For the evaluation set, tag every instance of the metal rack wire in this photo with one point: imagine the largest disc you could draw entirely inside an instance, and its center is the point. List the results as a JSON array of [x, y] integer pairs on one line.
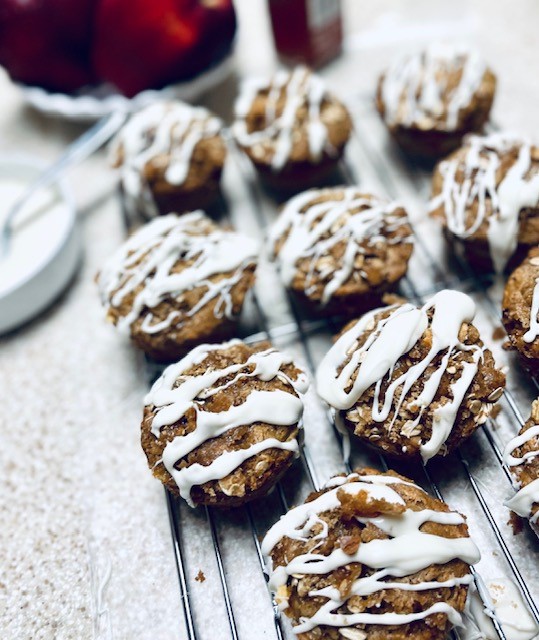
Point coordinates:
[[302, 329]]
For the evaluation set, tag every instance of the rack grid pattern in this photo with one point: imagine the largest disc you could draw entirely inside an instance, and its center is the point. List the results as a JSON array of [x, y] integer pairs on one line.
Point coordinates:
[[391, 174]]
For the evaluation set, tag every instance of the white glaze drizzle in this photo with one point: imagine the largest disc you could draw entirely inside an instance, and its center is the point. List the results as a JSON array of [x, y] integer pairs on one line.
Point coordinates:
[[171, 130], [413, 91], [301, 88], [391, 339], [533, 331], [149, 256], [499, 204], [523, 501], [516, 442], [353, 219], [407, 551], [338, 481], [172, 401]]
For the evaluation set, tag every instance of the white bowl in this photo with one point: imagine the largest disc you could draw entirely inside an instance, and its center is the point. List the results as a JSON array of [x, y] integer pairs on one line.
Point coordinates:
[[44, 252]]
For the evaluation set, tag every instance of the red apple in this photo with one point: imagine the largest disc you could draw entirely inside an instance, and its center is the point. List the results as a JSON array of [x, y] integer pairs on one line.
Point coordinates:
[[47, 42], [142, 44]]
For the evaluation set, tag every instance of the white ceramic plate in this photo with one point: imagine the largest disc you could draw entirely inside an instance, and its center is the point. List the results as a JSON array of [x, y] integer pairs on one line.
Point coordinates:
[[102, 100], [45, 247]]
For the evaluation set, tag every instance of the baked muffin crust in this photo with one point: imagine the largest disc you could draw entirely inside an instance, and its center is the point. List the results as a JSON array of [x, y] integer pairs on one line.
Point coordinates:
[[177, 281], [486, 195], [520, 309], [521, 455], [221, 426], [341, 249], [171, 156], [431, 98], [371, 557], [412, 381], [292, 129]]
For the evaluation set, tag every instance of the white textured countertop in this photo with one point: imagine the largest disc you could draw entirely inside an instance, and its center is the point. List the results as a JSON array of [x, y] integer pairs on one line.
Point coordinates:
[[78, 505]]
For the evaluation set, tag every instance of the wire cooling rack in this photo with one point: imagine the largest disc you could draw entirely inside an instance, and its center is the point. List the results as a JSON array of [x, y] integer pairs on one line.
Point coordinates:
[[217, 553]]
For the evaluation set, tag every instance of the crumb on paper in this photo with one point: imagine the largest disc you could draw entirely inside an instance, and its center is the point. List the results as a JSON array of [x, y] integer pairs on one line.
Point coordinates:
[[498, 333], [200, 577]]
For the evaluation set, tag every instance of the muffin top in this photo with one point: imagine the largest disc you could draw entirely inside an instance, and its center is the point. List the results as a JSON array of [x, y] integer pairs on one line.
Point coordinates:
[[371, 557], [480, 191], [336, 242], [290, 117], [172, 268], [434, 88], [521, 306], [171, 142], [406, 376], [222, 424], [521, 455]]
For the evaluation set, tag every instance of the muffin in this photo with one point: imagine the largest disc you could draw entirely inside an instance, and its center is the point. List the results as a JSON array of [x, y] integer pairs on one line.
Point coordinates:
[[430, 99], [340, 249], [371, 557], [177, 281], [170, 156], [486, 195], [520, 309], [222, 426], [412, 381], [293, 130], [521, 455]]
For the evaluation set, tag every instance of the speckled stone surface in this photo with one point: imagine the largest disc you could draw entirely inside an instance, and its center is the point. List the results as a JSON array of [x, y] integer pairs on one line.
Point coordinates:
[[77, 501], [85, 546]]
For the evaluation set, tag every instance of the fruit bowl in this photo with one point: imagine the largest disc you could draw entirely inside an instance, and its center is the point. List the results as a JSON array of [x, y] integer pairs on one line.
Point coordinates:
[[97, 102]]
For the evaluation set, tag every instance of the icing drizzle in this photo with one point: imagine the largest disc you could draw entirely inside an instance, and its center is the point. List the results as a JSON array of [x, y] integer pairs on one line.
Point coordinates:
[[301, 88], [172, 401], [524, 500], [148, 258], [171, 130], [392, 337], [415, 90], [533, 331], [350, 217], [499, 202], [407, 551]]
